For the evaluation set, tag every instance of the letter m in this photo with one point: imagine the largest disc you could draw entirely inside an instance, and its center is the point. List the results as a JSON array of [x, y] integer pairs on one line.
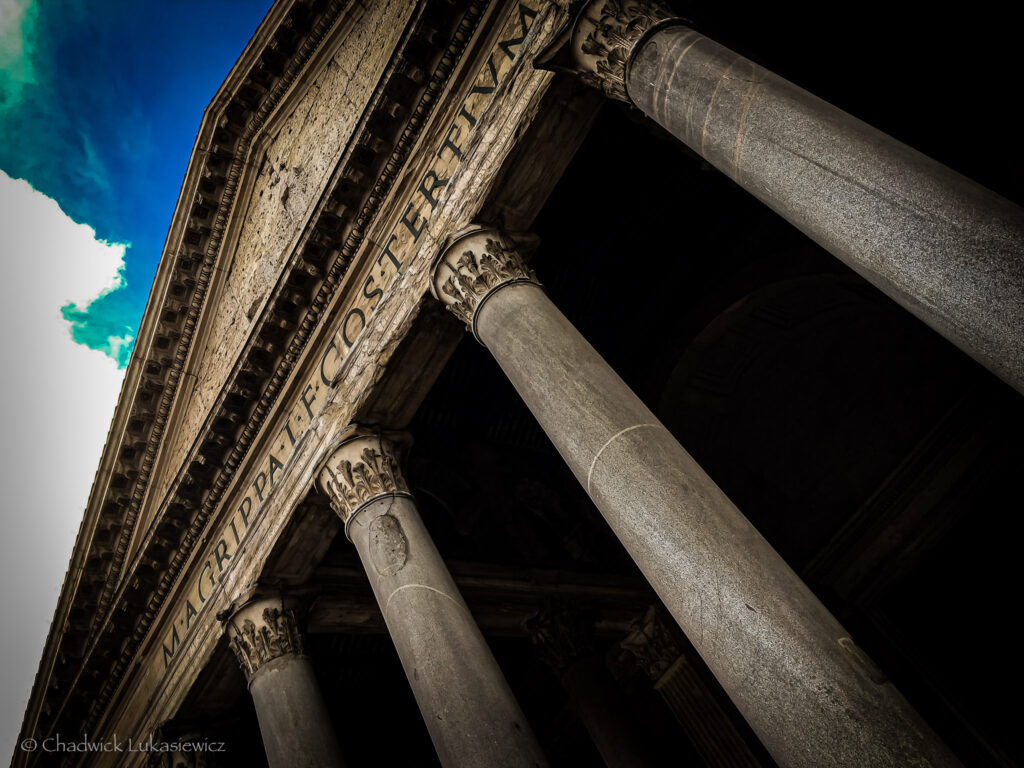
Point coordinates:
[[169, 652], [524, 26]]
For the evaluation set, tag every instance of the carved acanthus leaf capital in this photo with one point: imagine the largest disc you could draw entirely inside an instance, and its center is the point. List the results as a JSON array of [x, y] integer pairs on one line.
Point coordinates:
[[654, 644], [471, 265], [261, 631], [561, 635], [363, 468], [605, 36]]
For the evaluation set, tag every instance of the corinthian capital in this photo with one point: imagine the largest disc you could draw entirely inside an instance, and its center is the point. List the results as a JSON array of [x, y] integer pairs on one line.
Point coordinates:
[[653, 643], [364, 467], [600, 41], [562, 636], [471, 265], [260, 631]]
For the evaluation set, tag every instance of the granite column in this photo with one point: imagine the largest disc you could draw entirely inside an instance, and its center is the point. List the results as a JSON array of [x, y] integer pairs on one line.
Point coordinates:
[[470, 712], [945, 248], [294, 723], [808, 691]]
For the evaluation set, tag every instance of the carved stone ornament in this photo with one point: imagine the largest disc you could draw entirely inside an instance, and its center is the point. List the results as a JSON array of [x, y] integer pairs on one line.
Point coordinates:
[[653, 644], [471, 265], [261, 631], [389, 547], [605, 36], [561, 636], [364, 467]]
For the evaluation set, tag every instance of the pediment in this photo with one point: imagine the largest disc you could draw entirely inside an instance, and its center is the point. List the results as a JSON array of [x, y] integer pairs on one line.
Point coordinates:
[[238, 303]]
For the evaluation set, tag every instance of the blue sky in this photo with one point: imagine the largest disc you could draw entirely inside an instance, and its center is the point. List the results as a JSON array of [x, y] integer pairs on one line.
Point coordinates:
[[100, 102], [98, 111]]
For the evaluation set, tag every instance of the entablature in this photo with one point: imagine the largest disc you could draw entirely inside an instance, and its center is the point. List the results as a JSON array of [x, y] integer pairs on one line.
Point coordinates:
[[324, 278]]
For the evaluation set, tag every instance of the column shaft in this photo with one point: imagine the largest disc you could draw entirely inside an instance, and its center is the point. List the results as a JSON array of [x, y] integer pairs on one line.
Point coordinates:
[[470, 712], [604, 714], [294, 722], [657, 650], [944, 247], [812, 697], [563, 637]]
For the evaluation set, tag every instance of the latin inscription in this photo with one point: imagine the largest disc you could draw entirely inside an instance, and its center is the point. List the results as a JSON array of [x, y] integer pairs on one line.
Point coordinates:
[[398, 249]]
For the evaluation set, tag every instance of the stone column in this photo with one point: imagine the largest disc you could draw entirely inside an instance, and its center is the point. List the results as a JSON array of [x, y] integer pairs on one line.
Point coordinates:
[[564, 642], [469, 710], [659, 653], [945, 248], [809, 693], [296, 728]]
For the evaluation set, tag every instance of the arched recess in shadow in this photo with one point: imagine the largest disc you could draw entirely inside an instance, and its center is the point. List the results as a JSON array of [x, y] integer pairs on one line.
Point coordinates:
[[802, 396]]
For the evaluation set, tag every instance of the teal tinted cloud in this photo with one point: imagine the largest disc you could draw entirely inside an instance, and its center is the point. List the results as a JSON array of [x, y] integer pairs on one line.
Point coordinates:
[[100, 103], [16, 21]]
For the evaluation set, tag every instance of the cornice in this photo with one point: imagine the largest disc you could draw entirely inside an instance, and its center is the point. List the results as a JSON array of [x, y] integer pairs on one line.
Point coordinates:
[[101, 618], [161, 346]]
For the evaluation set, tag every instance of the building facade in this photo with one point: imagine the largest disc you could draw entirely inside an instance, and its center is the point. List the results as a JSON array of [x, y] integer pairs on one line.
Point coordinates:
[[743, 385]]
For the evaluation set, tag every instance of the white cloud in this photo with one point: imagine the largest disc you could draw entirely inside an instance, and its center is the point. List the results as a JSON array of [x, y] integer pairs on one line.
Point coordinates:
[[56, 401]]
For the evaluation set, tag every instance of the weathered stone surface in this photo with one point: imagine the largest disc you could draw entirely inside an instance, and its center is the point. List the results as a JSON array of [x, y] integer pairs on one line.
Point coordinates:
[[365, 466], [653, 644], [605, 36], [151, 692], [294, 722], [468, 708], [262, 631], [564, 639], [945, 248], [303, 149], [773, 646]]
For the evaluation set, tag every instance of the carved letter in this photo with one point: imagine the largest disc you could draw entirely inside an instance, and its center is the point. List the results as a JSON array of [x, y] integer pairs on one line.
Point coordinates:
[[354, 312], [308, 403], [427, 191], [387, 252], [524, 13], [469, 118], [485, 89], [373, 295], [323, 376], [275, 466], [221, 553], [244, 509], [411, 224], [169, 652], [287, 427], [199, 587], [449, 144], [259, 484]]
